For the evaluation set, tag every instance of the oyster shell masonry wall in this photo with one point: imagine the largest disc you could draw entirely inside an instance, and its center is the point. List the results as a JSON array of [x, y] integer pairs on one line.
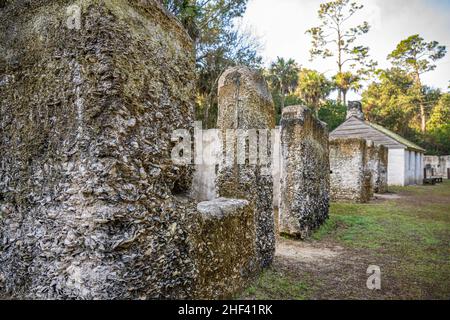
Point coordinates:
[[92, 205], [377, 162], [305, 172], [245, 103], [86, 180], [351, 176]]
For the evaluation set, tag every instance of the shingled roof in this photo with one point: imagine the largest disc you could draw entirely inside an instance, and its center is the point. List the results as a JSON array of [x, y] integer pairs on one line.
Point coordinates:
[[396, 137], [357, 128]]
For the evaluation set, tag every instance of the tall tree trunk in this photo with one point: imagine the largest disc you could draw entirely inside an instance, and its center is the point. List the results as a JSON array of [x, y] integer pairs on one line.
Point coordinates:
[[206, 115], [344, 94], [423, 116], [282, 99], [339, 61]]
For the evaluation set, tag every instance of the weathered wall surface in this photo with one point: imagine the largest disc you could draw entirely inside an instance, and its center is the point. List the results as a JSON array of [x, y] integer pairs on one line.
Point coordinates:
[[245, 103], [226, 248], [92, 206], [410, 159], [86, 176], [208, 158], [397, 167], [354, 109], [350, 175], [305, 174], [381, 183], [440, 165], [419, 168], [405, 167], [377, 163]]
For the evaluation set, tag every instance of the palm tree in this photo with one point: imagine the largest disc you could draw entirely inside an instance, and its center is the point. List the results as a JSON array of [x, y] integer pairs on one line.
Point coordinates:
[[313, 88], [346, 81], [283, 76]]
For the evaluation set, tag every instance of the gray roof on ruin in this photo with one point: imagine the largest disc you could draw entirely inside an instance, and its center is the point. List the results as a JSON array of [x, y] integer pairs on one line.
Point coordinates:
[[356, 128]]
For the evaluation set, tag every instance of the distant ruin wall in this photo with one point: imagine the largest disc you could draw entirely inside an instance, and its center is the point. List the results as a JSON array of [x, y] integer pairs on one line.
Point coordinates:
[[245, 103], [437, 165], [305, 173], [92, 206], [377, 162], [381, 182], [350, 175], [276, 166]]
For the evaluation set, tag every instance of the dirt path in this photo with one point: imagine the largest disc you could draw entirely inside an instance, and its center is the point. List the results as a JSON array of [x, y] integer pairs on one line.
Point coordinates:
[[406, 233], [331, 271]]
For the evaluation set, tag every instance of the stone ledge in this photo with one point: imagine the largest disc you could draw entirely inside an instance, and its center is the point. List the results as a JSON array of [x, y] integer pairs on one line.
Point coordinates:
[[221, 207]]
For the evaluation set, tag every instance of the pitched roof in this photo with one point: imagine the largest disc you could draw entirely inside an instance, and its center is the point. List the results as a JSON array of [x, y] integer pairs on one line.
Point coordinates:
[[396, 137], [357, 128]]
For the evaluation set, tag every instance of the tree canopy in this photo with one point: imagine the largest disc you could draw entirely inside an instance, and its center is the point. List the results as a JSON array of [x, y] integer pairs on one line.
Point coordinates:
[[313, 88], [395, 98], [335, 38], [283, 77], [219, 43], [416, 57]]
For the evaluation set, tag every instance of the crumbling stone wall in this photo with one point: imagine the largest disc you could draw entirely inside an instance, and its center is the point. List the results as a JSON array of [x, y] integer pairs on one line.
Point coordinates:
[[437, 165], [350, 175], [226, 251], [92, 206], [245, 103], [377, 162], [305, 174]]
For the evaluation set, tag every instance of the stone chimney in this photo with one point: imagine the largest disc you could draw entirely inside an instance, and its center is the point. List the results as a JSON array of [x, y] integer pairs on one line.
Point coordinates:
[[354, 109]]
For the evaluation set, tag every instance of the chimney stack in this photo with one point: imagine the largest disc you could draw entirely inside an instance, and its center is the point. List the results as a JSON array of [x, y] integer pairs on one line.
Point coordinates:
[[354, 109]]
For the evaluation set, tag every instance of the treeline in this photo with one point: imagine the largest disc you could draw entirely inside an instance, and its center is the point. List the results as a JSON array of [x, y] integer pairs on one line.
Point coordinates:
[[395, 98], [219, 42]]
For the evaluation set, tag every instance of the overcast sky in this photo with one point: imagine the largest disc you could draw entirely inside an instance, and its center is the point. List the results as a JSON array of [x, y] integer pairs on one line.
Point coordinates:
[[281, 26]]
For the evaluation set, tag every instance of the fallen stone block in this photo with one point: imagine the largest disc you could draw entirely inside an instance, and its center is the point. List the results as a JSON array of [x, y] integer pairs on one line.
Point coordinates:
[[225, 254]]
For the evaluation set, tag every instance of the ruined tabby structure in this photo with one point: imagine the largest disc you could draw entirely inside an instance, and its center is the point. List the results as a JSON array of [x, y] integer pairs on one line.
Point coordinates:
[[351, 177], [245, 103], [305, 172], [377, 163], [405, 158], [437, 166], [92, 206]]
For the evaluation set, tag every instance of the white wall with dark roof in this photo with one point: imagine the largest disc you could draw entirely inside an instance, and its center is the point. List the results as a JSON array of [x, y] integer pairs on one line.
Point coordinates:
[[396, 167]]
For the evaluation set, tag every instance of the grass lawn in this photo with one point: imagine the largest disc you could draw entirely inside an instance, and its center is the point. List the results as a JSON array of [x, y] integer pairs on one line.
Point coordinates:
[[408, 236]]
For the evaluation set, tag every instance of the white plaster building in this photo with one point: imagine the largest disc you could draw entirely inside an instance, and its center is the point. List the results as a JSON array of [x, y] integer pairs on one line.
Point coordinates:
[[405, 159]]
